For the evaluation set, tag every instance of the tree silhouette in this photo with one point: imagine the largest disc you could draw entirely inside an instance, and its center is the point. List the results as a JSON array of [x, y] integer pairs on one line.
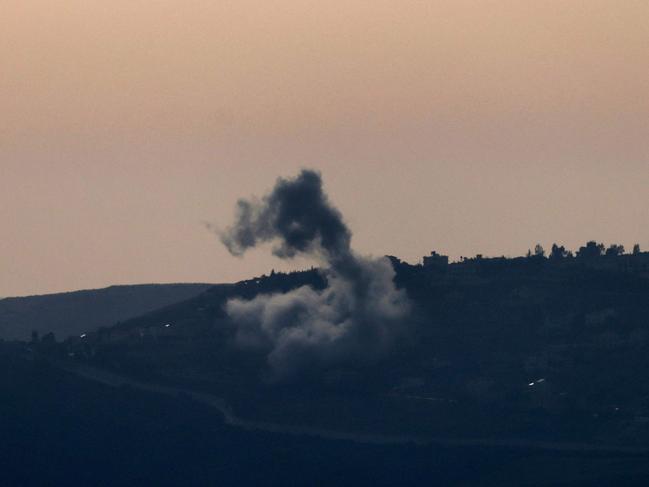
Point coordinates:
[[590, 250], [614, 250], [558, 252]]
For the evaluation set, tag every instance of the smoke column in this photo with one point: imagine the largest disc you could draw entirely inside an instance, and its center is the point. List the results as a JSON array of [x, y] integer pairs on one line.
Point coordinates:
[[355, 318]]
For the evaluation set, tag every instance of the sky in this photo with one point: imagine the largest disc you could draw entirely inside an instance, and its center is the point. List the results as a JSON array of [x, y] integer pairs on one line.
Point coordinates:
[[460, 126]]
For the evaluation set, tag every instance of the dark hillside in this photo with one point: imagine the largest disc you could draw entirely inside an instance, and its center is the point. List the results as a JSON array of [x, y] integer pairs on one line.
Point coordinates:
[[534, 348], [58, 429], [73, 313]]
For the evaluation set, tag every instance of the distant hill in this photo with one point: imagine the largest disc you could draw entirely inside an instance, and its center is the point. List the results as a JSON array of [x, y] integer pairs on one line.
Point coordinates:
[[72, 313]]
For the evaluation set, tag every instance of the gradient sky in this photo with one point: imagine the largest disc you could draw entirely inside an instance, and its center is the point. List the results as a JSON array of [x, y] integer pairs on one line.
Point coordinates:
[[462, 126]]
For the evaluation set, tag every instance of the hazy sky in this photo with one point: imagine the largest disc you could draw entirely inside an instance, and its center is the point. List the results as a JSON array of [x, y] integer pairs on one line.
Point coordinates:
[[462, 126]]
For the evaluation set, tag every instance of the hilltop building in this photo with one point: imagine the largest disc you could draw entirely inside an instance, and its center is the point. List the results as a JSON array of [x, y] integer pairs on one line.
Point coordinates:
[[436, 261]]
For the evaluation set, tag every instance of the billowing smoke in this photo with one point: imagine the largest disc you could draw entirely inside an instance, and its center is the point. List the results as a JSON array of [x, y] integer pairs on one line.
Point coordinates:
[[354, 319]]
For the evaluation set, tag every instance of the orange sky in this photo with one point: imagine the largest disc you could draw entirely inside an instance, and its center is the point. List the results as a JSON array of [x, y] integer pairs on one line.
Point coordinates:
[[468, 127]]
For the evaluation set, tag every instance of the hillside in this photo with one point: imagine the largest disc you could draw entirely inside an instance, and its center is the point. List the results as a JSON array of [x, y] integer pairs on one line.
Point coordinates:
[[58, 429], [495, 348], [73, 313]]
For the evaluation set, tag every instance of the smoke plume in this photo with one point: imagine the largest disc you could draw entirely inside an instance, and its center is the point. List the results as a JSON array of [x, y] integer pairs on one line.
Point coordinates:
[[354, 319]]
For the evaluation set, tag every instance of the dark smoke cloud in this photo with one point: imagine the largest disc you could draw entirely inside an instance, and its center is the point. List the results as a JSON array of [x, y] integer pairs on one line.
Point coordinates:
[[355, 318], [298, 213]]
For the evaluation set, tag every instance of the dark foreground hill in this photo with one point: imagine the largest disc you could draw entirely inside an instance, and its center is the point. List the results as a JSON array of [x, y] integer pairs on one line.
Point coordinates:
[[58, 429], [74, 313]]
